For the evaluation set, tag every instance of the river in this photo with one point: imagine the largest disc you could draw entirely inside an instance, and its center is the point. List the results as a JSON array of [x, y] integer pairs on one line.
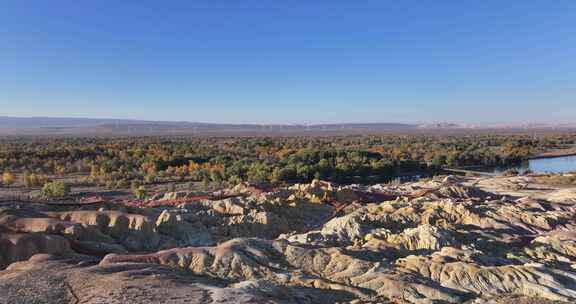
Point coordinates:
[[559, 164]]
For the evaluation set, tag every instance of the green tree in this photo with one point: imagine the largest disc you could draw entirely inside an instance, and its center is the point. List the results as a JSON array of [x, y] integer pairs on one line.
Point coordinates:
[[135, 184], [317, 175], [55, 189], [216, 176], [439, 160], [258, 173], [303, 172], [139, 192], [275, 176], [234, 180], [324, 169]]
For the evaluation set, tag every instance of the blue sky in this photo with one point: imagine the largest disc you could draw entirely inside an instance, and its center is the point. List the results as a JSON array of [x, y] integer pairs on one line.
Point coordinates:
[[290, 61]]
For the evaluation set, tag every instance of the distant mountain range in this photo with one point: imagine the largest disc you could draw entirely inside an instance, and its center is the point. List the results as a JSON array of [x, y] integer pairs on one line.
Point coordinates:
[[127, 127]]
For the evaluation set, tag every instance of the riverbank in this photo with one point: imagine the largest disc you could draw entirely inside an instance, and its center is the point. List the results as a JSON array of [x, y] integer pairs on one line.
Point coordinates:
[[555, 153], [559, 161], [467, 172]]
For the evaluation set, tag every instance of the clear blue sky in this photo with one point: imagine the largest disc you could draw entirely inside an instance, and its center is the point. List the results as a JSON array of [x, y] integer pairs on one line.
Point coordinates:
[[296, 61]]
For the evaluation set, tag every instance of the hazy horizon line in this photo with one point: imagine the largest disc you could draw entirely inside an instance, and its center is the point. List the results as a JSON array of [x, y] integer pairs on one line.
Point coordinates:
[[135, 119]]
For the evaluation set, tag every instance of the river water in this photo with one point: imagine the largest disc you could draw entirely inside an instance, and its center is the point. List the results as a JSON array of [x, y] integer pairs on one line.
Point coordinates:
[[560, 164]]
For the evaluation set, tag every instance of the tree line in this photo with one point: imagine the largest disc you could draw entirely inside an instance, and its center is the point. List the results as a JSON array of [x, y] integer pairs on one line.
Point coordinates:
[[134, 161]]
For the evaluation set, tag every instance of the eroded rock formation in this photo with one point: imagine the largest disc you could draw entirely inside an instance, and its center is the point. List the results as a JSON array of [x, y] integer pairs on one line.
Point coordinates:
[[446, 240]]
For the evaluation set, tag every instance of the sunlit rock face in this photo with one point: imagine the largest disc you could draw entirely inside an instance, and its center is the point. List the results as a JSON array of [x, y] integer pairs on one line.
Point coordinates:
[[445, 240]]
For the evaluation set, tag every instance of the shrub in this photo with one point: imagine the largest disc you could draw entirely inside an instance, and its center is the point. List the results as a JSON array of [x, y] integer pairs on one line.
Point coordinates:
[[55, 189], [139, 192], [7, 178]]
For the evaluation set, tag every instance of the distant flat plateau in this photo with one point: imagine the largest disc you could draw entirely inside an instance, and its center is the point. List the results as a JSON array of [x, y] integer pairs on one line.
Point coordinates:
[[22, 126]]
